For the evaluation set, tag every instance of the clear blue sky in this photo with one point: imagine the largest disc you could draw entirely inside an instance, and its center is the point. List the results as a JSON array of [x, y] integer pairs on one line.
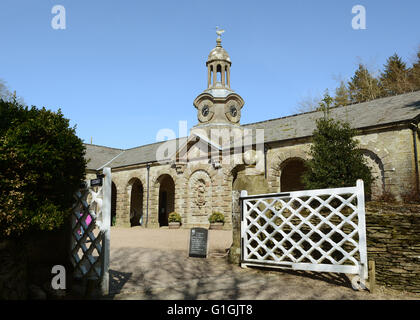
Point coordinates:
[[123, 70]]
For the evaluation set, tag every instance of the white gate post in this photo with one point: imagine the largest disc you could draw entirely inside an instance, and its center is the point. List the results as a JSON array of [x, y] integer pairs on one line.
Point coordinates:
[[362, 230], [106, 222]]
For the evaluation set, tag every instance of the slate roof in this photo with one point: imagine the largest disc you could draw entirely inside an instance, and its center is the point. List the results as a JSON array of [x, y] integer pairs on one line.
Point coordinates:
[[99, 155], [142, 154], [362, 115], [389, 110]]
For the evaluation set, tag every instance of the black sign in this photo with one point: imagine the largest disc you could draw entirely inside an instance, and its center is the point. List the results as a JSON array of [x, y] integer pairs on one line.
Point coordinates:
[[96, 182], [198, 242]]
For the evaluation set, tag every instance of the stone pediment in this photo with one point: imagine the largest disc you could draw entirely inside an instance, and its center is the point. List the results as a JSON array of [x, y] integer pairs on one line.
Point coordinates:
[[196, 148]]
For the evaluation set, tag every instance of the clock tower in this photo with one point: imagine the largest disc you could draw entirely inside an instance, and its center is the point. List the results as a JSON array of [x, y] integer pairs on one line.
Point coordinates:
[[218, 106]]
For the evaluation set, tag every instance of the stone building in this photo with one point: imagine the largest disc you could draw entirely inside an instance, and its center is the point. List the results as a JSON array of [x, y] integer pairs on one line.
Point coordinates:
[[195, 175]]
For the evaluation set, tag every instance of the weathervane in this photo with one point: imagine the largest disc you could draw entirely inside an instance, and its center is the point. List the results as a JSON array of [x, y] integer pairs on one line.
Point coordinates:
[[219, 32]]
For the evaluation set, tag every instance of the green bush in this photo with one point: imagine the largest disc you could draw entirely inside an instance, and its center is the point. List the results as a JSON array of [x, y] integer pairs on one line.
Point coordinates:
[[216, 217], [336, 159], [41, 165], [174, 217]]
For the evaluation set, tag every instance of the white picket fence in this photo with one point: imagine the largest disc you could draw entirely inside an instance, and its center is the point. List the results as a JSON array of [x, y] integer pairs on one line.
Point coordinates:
[[90, 241], [315, 230]]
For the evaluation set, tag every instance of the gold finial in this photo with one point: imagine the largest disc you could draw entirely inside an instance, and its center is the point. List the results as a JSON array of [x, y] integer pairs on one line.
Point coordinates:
[[219, 32]]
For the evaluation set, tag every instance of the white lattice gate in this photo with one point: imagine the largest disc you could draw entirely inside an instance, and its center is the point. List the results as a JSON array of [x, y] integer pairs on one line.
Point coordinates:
[[89, 252], [316, 230]]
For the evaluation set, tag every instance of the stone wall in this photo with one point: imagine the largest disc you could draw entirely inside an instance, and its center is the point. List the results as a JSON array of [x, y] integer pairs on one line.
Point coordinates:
[[200, 189], [393, 241], [235, 250], [390, 153]]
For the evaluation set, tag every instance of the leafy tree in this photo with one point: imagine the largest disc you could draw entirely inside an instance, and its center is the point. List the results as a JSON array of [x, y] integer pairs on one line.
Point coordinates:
[[335, 160], [3, 89], [308, 103], [363, 86], [41, 165], [342, 95], [325, 104], [395, 76], [6, 95]]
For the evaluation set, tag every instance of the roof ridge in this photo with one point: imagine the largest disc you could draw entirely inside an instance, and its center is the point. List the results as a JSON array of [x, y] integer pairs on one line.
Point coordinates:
[[97, 145], [149, 144], [332, 108]]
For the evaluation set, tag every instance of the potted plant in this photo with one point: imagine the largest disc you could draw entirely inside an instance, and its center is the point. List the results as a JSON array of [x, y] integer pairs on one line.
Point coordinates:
[[174, 220], [216, 220]]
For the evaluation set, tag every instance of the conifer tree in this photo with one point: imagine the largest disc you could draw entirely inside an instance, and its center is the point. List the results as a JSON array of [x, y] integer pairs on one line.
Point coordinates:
[[414, 73], [342, 95], [395, 77], [363, 86], [325, 104]]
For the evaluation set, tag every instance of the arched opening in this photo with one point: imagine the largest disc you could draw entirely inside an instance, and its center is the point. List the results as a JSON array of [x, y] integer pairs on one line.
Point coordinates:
[[378, 174], [211, 76], [237, 184], [219, 73], [166, 198], [253, 184], [291, 175], [113, 204], [226, 76], [136, 203]]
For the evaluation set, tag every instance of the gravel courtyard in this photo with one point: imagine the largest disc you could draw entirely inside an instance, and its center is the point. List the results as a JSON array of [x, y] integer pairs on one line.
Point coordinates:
[[151, 264]]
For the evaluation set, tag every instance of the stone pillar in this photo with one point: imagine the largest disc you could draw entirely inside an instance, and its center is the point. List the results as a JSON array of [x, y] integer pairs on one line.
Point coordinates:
[[228, 76], [208, 76], [222, 71], [235, 249], [123, 209], [214, 75]]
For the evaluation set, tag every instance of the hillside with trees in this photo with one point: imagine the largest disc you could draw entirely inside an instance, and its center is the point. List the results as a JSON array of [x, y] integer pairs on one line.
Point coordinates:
[[396, 77]]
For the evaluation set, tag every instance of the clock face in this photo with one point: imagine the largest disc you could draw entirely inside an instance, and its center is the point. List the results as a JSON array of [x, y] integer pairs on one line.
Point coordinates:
[[233, 111], [205, 111]]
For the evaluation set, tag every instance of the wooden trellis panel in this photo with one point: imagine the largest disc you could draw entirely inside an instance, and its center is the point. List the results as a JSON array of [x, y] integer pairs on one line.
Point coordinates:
[[316, 230], [91, 219]]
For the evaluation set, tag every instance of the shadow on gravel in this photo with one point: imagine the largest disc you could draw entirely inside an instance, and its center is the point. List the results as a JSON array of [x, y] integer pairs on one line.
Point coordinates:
[[117, 280], [150, 274], [338, 279]]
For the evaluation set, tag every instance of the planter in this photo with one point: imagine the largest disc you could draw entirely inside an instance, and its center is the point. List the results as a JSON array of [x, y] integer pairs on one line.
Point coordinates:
[[216, 226], [174, 225]]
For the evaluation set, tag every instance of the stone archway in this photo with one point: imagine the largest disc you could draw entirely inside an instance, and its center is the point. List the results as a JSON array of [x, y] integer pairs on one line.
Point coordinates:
[[292, 171], [234, 173], [166, 202], [136, 201], [253, 184], [378, 173]]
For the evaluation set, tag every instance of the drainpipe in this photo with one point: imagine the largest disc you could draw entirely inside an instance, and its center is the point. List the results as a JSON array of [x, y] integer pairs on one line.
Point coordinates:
[[414, 127], [265, 161], [147, 201]]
